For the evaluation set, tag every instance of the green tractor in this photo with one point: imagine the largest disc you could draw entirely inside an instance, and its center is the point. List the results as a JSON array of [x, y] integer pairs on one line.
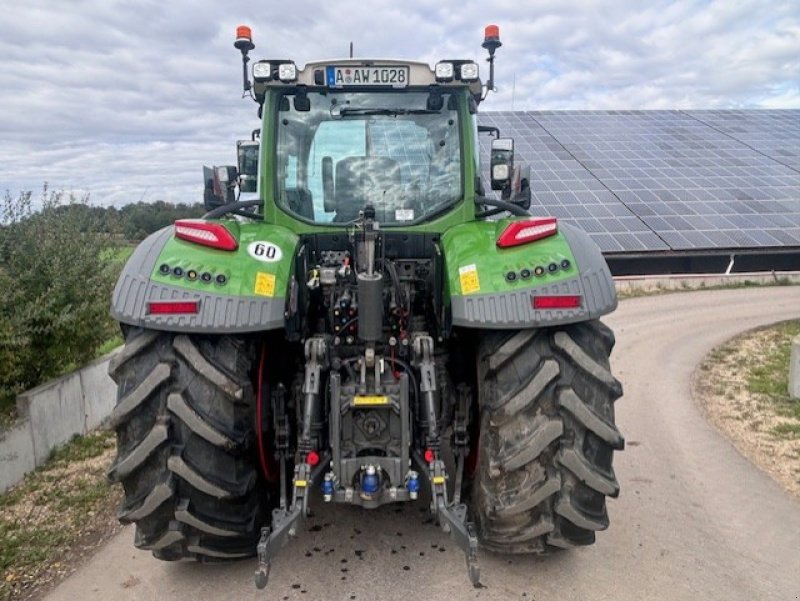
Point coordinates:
[[370, 327]]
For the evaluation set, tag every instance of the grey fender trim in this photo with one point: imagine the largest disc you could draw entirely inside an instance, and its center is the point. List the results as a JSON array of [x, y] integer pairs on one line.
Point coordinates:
[[514, 309], [218, 314]]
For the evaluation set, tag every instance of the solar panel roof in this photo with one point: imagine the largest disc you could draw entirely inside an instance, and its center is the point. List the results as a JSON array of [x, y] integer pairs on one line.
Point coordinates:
[[642, 181]]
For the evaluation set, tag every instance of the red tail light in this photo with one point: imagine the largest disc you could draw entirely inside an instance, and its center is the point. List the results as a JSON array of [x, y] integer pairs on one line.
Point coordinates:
[[206, 233], [556, 302], [173, 307], [528, 230]]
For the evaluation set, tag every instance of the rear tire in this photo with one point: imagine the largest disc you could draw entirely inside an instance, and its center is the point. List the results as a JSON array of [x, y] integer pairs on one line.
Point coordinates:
[[184, 420], [547, 436]]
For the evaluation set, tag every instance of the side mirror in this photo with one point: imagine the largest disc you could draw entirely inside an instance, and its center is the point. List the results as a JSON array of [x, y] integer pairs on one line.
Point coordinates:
[[247, 153], [519, 190], [218, 186], [502, 162]]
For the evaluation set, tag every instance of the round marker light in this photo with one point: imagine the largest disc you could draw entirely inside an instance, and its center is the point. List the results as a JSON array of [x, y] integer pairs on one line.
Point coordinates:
[[539, 270], [164, 269], [552, 268], [429, 456], [177, 272], [444, 72], [469, 72], [525, 274], [205, 277], [191, 275], [222, 280], [312, 458], [511, 276], [565, 264]]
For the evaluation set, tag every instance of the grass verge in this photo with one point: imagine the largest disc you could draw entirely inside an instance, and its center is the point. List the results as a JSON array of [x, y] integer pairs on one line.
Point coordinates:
[[743, 386], [56, 515], [109, 345]]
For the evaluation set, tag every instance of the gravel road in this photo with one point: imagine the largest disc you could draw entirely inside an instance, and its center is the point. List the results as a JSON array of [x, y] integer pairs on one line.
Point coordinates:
[[694, 521]]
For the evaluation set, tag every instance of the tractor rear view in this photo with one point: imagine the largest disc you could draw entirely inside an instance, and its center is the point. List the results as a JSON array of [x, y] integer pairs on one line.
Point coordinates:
[[369, 324]]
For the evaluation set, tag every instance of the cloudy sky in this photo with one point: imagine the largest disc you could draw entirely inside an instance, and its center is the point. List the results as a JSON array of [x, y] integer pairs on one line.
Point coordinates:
[[128, 99]]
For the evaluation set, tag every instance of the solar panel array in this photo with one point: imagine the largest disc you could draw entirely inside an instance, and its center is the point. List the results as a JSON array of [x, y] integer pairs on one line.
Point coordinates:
[[642, 181]]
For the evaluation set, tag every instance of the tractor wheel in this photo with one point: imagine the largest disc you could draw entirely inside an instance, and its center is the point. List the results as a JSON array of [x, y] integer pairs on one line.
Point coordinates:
[[185, 419], [547, 436]]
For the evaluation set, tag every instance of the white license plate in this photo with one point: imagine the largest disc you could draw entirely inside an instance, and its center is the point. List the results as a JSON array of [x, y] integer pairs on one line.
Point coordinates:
[[342, 77]]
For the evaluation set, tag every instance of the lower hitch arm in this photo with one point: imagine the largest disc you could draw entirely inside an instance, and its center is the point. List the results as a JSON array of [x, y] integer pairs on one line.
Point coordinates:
[[285, 522], [453, 520], [284, 525]]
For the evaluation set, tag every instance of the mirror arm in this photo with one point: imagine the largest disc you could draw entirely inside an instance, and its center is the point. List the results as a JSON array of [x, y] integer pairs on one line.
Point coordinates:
[[501, 205], [234, 207], [489, 129]]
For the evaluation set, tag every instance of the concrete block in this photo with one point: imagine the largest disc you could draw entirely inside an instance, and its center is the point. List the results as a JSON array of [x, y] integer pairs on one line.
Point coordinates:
[[794, 369], [99, 393], [56, 413], [16, 454]]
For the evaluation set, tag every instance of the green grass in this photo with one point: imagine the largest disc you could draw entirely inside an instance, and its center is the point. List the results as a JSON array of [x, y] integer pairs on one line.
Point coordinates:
[[81, 448], [767, 375], [787, 430], [119, 254], [109, 345], [51, 509]]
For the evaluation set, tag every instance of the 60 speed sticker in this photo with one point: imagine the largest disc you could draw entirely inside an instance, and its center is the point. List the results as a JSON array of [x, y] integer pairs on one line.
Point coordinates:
[[261, 250]]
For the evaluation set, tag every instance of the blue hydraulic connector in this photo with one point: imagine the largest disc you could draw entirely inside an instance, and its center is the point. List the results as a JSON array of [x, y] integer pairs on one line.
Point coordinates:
[[412, 484], [369, 481], [327, 487]]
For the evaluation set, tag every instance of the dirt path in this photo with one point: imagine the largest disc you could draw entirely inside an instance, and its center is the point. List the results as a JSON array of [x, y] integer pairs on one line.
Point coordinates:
[[695, 519]]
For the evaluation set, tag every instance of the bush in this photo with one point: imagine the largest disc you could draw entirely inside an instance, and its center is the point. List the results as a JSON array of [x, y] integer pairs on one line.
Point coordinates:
[[55, 286], [139, 220]]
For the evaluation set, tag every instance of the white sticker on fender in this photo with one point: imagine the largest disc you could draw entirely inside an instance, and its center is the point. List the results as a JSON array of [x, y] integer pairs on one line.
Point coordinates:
[[261, 250]]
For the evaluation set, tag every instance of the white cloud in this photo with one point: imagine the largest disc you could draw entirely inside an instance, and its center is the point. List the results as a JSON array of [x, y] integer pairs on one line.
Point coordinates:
[[129, 99]]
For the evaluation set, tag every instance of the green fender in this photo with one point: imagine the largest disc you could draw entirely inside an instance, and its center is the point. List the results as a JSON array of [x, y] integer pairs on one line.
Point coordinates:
[[243, 290], [493, 287]]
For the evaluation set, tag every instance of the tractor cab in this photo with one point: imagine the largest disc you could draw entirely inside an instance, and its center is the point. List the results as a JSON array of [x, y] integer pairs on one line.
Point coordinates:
[[339, 135]]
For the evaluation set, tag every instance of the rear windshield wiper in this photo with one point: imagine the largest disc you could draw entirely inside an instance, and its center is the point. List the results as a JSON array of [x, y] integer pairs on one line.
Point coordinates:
[[344, 112]]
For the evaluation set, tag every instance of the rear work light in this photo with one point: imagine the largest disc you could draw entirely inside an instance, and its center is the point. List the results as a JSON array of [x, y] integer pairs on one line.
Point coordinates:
[[556, 302], [469, 72], [527, 230], [173, 307], [287, 72], [444, 71], [202, 232]]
